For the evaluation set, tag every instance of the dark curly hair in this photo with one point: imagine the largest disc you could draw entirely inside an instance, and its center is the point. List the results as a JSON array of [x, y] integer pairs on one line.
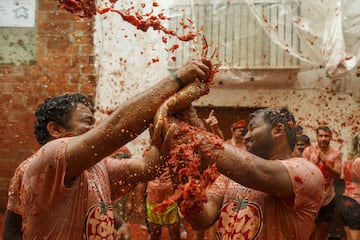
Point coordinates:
[[273, 116], [303, 138], [57, 109]]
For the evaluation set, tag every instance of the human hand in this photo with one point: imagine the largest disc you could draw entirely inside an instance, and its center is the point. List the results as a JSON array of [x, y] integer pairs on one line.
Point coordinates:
[[207, 144], [212, 120], [156, 132], [321, 157], [123, 232], [176, 103], [169, 137], [194, 70]]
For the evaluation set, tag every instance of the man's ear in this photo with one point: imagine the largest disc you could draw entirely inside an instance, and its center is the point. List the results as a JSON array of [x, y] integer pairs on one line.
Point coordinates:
[[56, 130], [278, 130]]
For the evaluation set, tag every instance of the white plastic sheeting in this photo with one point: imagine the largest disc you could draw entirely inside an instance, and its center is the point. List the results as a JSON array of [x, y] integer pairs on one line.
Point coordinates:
[[248, 35], [328, 30], [318, 33]]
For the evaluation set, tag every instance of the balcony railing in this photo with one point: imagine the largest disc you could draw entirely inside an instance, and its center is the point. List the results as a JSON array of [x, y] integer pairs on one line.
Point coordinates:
[[233, 30]]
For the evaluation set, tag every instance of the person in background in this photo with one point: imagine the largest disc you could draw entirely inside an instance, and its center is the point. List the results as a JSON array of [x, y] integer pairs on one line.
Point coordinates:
[[163, 187], [262, 193], [299, 130], [119, 206], [302, 142], [66, 189], [350, 200], [238, 131], [156, 191], [213, 122], [130, 205], [328, 160]]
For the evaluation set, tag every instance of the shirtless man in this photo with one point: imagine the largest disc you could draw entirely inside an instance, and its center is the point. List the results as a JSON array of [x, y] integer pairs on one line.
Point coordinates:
[[328, 160]]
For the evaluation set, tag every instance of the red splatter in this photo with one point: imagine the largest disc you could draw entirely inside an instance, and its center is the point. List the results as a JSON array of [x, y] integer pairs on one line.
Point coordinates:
[[88, 9], [173, 48], [183, 24], [298, 179]]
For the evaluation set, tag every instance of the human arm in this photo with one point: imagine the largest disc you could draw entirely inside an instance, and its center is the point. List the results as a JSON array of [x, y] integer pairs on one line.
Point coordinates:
[[214, 124], [130, 172], [306, 153], [146, 168], [126, 122], [355, 171], [269, 176], [12, 226], [208, 216]]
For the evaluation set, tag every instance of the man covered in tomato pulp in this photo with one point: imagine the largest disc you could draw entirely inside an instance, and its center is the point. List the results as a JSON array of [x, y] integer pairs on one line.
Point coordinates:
[[328, 160], [262, 193], [66, 189]]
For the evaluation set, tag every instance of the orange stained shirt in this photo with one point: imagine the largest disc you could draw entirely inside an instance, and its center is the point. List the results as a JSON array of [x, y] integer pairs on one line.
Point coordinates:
[[250, 214], [50, 210]]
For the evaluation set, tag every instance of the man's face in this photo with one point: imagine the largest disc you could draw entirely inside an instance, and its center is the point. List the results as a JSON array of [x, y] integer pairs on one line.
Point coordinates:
[[82, 120], [258, 139], [300, 146], [323, 138], [237, 133]]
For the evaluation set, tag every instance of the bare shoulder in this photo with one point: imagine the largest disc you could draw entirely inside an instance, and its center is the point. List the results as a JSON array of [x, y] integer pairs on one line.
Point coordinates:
[[335, 151]]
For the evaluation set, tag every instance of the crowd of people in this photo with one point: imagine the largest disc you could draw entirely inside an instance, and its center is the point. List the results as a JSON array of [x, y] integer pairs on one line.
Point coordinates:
[[271, 183]]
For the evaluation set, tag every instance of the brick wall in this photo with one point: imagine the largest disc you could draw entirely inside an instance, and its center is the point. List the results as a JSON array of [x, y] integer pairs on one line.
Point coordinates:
[[64, 63]]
